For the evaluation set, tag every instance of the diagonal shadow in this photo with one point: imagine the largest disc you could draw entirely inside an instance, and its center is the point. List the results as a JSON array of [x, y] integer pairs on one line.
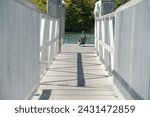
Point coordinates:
[[90, 77], [80, 74], [126, 86], [66, 71], [70, 67], [76, 52]]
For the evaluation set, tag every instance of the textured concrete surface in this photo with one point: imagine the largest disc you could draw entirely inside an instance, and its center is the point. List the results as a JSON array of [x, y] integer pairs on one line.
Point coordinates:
[[76, 74]]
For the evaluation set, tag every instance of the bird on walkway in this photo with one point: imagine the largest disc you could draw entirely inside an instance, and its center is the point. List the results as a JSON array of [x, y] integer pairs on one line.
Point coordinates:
[[82, 39]]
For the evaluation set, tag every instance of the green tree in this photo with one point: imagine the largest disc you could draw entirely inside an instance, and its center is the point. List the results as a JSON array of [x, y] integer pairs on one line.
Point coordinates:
[[41, 4], [120, 2], [79, 15]]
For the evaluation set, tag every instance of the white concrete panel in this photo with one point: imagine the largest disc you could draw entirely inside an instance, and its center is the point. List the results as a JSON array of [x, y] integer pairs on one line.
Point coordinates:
[[19, 50], [131, 48], [27, 45]]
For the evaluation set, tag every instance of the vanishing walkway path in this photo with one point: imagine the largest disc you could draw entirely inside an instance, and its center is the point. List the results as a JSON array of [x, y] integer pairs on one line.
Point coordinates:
[[76, 74]]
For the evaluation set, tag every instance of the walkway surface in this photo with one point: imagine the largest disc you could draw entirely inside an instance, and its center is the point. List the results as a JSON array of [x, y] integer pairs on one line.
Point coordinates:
[[76, 74]]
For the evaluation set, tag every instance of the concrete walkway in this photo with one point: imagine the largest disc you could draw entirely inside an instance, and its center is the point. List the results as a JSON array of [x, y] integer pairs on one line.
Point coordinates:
[[76, 74]]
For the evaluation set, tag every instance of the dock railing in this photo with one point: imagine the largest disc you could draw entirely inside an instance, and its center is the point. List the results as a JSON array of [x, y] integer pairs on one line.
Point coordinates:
[[49, 41], [122, 42], [19, 49], [29, 41], [51, 34]]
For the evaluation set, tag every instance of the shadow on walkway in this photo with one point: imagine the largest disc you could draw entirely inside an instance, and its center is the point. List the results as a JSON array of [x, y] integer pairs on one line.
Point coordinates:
[[76, 74], [80, 73], [45, 94]]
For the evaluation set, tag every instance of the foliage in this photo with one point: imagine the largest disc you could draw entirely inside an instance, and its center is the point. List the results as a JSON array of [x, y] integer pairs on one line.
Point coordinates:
[[41, 4], [120, 2], [79, 15]]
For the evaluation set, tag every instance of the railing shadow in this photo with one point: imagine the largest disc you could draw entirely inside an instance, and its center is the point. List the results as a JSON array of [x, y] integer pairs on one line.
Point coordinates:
[[127, 87]]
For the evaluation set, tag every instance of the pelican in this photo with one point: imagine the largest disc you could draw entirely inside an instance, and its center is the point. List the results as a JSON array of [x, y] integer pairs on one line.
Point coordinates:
[[82, 39]]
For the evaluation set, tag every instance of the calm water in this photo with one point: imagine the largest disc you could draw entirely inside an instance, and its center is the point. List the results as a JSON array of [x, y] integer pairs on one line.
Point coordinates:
[[72, 38]]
